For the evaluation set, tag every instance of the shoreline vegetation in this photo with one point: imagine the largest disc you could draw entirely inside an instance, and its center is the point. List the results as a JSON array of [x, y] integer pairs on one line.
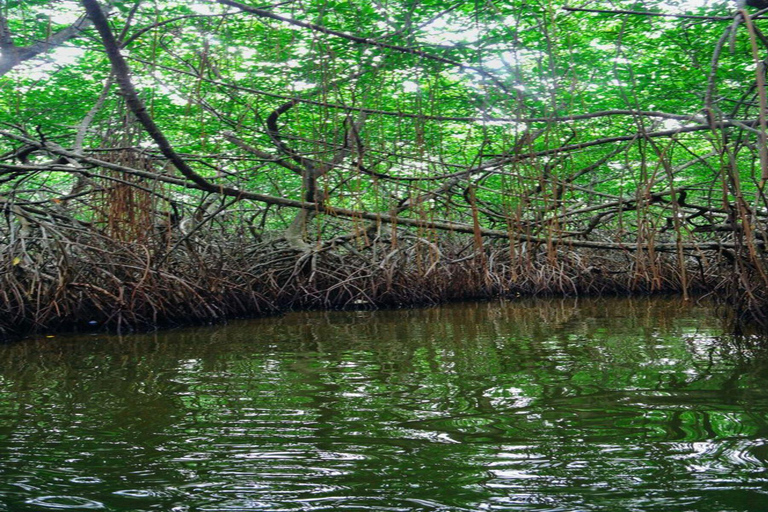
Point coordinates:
[[169, 163], [77, 279]]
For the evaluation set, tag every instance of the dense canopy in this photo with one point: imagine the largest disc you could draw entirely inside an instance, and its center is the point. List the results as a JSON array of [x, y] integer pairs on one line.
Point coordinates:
[[173, 160]]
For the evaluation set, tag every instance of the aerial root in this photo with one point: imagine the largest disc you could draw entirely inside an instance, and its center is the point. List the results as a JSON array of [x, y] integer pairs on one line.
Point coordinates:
[[81, 280]]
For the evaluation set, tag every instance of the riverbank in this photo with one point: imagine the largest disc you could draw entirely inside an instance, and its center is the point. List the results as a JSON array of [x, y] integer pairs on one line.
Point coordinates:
[[96, 282]]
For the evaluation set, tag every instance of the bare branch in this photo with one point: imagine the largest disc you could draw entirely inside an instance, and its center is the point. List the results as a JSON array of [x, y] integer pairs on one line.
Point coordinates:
[[13, 55], [647, 13]]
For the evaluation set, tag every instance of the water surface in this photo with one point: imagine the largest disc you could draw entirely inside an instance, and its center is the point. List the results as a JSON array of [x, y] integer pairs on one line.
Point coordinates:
[[528, 405]]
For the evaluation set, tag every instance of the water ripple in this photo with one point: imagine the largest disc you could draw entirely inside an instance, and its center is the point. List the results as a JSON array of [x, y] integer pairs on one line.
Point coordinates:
[[456, 409], [65, 502]]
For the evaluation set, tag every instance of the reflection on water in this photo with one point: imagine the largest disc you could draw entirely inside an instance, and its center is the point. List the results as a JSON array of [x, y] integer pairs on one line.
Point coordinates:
[[532, 405]]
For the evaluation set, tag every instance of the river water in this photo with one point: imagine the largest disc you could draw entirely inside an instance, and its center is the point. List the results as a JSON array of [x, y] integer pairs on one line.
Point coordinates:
[[610, 404]]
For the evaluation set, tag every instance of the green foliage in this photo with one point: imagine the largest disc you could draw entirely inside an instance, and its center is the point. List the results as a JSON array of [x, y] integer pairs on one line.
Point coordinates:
[[479, 89]]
